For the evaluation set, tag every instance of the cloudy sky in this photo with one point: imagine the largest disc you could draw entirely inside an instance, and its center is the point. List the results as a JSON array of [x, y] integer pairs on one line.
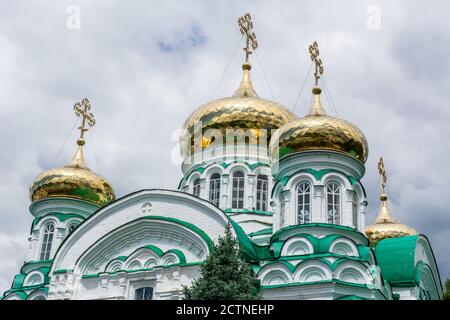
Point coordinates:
[[146, 65]]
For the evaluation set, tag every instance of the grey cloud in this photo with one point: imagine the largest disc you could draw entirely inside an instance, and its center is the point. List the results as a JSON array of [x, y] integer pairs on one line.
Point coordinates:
[[391, 82]]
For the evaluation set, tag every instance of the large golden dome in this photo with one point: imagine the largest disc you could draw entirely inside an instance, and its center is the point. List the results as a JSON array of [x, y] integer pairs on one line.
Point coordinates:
[[72, 181], [318, 131], [244, 110]]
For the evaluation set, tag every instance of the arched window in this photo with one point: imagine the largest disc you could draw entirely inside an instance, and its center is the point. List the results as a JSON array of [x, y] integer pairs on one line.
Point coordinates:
[[214, 189], [355, 211], [237, 198], [262, 184], [196, 188], [303, 203], [334, 202], [47, 239]]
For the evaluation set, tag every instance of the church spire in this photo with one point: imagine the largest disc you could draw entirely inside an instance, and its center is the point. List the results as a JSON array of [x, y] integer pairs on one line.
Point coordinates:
[[384, 215], [246, 28], [316, 108], [82, 109], [385, 226]]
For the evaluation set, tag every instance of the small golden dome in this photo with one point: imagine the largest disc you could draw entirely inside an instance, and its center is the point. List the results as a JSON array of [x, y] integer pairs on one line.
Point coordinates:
[[385, 226], [72, 181], [318, 131], [244, 110]]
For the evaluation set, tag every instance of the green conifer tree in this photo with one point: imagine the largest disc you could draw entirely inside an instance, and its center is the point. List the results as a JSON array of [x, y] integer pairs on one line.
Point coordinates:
[[447, 290], [225, 275]]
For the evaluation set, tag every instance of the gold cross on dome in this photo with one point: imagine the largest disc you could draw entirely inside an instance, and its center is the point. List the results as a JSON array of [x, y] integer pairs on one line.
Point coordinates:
[[314, 55], [382, 172], [246, 27], [82, 109]]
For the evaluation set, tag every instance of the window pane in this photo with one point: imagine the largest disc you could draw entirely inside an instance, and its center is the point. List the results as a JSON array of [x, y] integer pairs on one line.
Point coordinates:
[[196, 188], [303, 203], [261, 192], [47, 241], [214, 189], [238, 190], [333, 200], [145, 293]]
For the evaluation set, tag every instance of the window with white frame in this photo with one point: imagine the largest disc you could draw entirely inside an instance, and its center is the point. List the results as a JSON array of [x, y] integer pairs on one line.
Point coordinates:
[[47, 239], [196, 188], [144, 293], [214, 189], [303, 203], [237, 198], [334, 202], [262, 185]]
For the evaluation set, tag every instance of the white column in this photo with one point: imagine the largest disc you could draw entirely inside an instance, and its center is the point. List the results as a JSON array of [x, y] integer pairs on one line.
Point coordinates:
[[319, 206], [250, 191], [225, 192]]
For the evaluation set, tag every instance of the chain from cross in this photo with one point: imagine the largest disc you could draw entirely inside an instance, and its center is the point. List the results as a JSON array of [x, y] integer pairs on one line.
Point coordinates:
[[314, 55], [83, 110], [246, 27], [382, 172]]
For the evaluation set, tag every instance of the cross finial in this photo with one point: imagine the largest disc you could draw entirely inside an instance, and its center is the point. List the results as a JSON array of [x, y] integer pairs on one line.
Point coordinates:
[[382, 172], [314, 54], [246, 27], [82, 109]]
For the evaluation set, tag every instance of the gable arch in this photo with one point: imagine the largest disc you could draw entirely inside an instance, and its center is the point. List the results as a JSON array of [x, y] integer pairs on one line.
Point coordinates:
[[336, 177], [182, 214], [234, 167], [210, 170], [135, 234], [312, 271], [297, 245], [298, 178], [352, 272], [280, 270], [46, 220], [34, 278], [37, 294], [344, 246]]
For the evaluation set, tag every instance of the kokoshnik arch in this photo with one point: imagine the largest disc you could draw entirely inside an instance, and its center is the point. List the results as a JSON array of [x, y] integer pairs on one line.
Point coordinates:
[[291, 188]]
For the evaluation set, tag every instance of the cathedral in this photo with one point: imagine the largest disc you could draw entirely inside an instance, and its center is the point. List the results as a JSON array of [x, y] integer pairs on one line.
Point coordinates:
[[290, 187]]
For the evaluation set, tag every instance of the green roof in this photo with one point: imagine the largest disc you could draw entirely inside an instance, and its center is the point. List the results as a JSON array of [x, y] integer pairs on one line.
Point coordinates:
[[260, 232], [395, 256]]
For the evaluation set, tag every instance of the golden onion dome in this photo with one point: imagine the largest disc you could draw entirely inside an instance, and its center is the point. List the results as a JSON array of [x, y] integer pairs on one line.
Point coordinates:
[[74, 180], [385, 226], [318, 131], [244, 110]]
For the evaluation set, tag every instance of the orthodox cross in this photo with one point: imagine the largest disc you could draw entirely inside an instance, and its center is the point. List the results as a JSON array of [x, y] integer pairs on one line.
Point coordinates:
[[314, 54], [382, 172], [82, 109], [246, 27]]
